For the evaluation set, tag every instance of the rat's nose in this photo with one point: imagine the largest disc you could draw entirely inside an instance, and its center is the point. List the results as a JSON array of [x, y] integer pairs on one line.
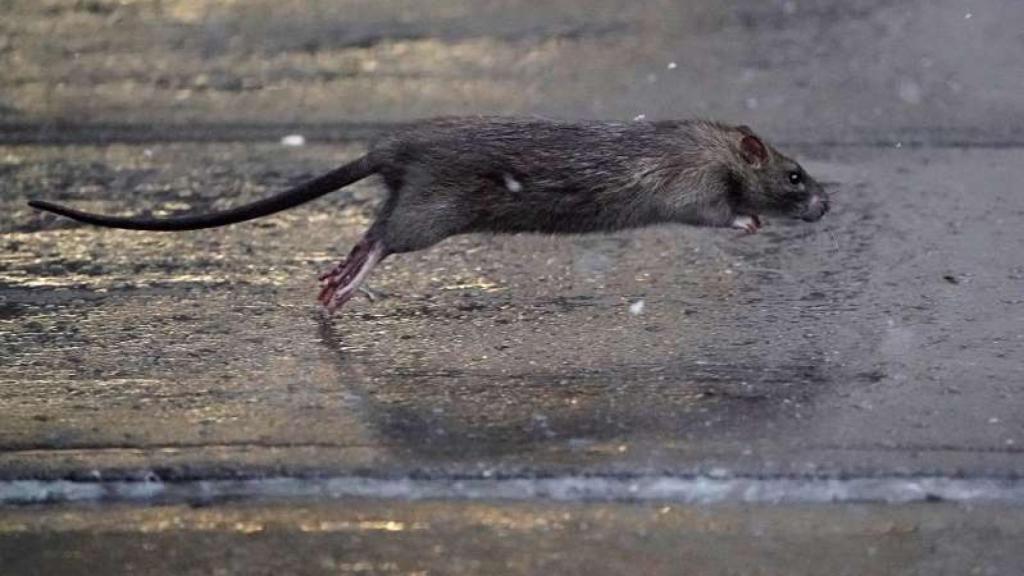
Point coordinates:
[[817, 206]]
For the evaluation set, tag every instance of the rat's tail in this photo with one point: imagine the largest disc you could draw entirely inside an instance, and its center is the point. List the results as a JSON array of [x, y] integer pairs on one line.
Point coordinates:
[[329, 182]]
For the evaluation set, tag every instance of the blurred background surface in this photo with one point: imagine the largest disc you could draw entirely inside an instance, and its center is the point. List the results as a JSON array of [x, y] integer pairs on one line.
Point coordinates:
[[800, 70]]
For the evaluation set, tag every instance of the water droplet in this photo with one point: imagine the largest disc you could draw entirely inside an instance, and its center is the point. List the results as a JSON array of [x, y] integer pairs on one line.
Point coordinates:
[[910, 91]]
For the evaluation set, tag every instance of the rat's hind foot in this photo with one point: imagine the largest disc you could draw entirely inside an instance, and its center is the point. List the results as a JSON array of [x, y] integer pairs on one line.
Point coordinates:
[[341, 282]]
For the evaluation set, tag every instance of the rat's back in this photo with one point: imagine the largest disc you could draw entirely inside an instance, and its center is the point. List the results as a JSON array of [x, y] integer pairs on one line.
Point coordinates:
[[538, 141], [532, 174]]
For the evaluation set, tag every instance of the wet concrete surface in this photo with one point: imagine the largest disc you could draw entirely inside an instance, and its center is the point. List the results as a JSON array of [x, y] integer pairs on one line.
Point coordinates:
[[375, 537], [883, 342]]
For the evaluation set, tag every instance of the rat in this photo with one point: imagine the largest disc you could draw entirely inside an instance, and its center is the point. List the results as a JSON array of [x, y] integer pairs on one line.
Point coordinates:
[[457, 175]]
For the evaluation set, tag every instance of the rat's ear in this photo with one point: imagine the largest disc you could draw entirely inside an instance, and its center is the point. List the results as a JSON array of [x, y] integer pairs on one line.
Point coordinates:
[[753, 149]]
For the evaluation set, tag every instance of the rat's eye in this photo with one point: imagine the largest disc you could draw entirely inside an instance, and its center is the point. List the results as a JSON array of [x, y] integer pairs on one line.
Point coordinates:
[[796, 178]]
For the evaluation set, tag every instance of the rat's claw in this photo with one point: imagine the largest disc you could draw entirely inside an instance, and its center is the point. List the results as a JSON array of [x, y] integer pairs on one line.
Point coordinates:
[[331, 281], [334, 296], [332, 304], [326, 293], [750, 224]]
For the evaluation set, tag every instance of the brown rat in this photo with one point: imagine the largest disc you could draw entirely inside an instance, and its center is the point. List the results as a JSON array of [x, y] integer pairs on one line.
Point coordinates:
[[492, 174]]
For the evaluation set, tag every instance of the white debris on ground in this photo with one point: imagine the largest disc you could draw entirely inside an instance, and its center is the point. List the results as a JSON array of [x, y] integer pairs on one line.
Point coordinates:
[[636, 308], [293, 140], [639, 117]]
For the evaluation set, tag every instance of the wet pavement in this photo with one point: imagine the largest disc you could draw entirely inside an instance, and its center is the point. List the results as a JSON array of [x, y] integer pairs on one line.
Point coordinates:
[[883, 340], [371, 537], [880, 344]]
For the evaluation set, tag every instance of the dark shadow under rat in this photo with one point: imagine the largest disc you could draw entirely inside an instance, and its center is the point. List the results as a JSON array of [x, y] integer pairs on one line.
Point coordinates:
[[458, 175]]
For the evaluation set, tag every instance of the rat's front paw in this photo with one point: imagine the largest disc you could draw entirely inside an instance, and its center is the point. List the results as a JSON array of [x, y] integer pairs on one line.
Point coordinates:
[[749, 223]]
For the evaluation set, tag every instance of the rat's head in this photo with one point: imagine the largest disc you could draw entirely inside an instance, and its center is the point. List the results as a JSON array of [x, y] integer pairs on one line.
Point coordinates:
[[767, 182]]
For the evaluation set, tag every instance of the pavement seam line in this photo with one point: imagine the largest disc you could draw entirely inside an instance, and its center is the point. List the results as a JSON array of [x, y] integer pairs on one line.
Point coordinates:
[[702, 489]]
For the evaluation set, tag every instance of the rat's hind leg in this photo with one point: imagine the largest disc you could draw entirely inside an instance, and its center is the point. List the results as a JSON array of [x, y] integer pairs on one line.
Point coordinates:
[[341, 282], [411, 218]]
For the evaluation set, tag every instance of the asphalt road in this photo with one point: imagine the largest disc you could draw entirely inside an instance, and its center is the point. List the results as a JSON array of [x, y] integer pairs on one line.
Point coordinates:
[[881, 345]]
